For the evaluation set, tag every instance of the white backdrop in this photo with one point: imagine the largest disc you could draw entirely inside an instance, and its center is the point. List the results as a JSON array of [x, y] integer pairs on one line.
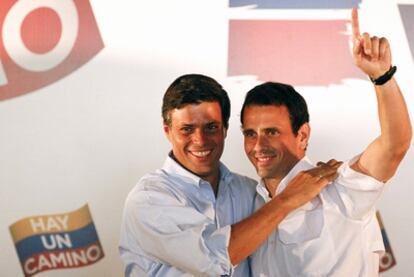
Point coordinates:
[[90, 136]]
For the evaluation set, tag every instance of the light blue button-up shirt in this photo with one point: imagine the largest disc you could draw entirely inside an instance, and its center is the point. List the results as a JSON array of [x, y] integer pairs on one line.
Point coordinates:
[[173, 225]]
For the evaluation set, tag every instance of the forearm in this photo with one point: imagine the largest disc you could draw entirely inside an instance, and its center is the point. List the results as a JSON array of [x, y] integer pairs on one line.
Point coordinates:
[[383, 156], [248, 234]]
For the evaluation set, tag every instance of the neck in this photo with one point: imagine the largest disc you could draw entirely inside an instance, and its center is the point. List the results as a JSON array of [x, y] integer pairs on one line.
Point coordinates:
[[212, 178], [271, 185], [214, 181]]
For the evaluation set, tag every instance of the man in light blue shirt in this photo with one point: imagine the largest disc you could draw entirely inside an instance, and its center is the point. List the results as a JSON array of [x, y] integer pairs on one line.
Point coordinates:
[[193, 216]]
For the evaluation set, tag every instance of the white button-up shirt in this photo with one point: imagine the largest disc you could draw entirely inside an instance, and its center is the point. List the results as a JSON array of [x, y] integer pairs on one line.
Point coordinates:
[[336, 234], [173, 225]]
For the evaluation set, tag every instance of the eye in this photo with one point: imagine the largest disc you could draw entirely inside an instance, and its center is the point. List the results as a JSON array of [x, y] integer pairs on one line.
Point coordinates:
[[212, 127], [186, 129], [272, 132], [248, 133]]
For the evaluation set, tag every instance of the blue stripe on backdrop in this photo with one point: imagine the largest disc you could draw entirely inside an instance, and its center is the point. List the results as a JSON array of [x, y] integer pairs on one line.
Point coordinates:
[[71, 240]]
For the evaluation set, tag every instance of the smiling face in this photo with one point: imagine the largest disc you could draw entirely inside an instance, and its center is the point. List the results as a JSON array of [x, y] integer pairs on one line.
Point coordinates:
[[269, 141], [197, 135]]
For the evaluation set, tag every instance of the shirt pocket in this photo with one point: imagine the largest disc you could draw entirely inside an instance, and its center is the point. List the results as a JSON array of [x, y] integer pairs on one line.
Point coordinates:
[[307, 246]]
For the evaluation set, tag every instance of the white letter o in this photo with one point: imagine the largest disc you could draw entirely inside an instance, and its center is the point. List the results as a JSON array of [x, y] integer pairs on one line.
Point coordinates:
[[14, 44]]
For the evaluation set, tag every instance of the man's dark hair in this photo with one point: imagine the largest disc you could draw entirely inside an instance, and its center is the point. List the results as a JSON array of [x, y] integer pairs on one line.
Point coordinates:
[[195, 89], [279, 94]]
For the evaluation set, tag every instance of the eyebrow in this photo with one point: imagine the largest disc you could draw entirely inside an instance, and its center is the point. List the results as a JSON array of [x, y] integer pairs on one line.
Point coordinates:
[[247, 130], [261, 130], [213, 122], [181, 124], [271, 129], [243, 128]]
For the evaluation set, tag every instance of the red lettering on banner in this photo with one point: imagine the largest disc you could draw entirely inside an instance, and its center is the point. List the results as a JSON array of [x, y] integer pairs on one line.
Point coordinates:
[[42, 41]]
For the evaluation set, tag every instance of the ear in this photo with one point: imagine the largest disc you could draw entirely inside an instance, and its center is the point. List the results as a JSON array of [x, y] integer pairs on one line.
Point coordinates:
[[225, 132], [167, 131], [303, 136]]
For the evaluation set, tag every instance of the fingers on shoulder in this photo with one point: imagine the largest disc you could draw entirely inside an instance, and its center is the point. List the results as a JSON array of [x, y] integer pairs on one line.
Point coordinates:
[[324, 172]]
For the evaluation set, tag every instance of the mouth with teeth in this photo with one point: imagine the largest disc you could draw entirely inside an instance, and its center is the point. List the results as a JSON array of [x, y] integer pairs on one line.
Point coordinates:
[[201, 154], [263, 160]]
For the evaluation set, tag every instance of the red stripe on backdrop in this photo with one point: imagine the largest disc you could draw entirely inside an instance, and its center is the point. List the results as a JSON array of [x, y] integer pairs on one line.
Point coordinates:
[[299, 52]]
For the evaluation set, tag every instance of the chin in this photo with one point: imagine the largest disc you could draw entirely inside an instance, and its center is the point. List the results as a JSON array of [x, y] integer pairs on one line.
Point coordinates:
[[203, 171], [262, 174]]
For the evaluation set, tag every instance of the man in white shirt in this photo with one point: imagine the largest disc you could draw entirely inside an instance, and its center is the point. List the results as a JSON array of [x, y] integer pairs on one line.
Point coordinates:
[[336, 233], [193, 216]]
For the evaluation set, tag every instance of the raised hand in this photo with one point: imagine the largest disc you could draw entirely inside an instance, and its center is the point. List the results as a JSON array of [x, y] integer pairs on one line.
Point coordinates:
[[371, 54]]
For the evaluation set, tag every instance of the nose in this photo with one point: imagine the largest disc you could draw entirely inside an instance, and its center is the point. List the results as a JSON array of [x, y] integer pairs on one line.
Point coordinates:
[[260, 143], [199, 137]]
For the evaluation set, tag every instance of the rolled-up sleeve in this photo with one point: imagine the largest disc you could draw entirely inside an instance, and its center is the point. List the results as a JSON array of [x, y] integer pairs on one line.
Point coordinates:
[[177, 234], [359, 193]]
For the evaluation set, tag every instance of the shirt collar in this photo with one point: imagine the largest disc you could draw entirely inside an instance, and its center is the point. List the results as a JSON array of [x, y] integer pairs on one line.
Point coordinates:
[[303, 164], [171, 166]]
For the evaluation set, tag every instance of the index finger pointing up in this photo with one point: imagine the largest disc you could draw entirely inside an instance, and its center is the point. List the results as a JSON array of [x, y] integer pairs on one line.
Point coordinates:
[[355, 24]]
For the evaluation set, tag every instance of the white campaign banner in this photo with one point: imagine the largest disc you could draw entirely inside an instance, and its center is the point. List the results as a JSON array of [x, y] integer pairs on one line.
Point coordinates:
[[81, 85]]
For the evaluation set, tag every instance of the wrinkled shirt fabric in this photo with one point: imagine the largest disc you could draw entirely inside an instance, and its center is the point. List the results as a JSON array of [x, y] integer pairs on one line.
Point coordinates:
[[336, 234], [174, 225]]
